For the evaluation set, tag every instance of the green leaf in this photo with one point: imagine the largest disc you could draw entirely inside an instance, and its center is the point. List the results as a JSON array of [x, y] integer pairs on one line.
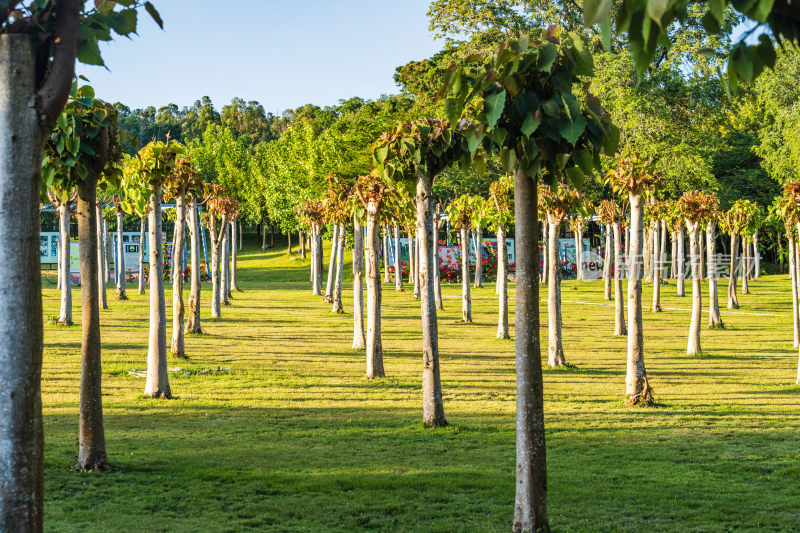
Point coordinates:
[[89, 53], [547, 54], [595, 10], [123, 22], [605, 32], [572, 130], [655, 9], [381, 153], [575, 175], [154, 14], [494, 104], [717, 9], [742, 62], [611, 144], [452, 110], [509, 159], [531, 122]]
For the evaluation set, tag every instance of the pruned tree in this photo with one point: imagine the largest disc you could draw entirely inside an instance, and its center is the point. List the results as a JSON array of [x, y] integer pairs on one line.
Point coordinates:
[[633, 175], [216, 219], [337, 208], [183, 182], [411, 156], [82, 153], [698, 208], [531, 118], [312, 216], [501, 217], [611, 215], [460, 213]]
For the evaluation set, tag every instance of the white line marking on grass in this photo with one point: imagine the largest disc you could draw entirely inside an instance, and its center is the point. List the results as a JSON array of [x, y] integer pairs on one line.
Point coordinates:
[[722, 311]]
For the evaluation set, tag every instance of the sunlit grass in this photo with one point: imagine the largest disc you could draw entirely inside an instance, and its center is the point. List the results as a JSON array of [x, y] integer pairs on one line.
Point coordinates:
[[294, 438]]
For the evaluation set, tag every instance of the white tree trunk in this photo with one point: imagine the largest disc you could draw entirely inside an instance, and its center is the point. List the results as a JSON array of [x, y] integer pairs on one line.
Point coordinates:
[[236, 245], [795, 291], [21, 433], [432, 402], [337, 290], [607, 254], [193, 322], [502, 278], [466, 300], [673, 271], [142, 237], [65, 314], [103, 243], [102, 260], [756, 256], [398, 267], [733, 300], [436, 274], [555, 352], [216, 292], [662, 252], [358, 287], [680, 264], [628, 259], [579, 254], [120, 266], [619, 302], [656, 306], [545, 254], [714, 318], [416, 265], [386, 274], [374, 345], [746, 265], [637, 387], [157, 384], [178, 310], [648, 254], [332, 265], [693, 346], [478, 256], [225, 250]]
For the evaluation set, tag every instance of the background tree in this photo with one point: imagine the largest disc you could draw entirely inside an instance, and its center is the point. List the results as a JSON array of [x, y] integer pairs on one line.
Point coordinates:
[[501, 217], [460, 214]]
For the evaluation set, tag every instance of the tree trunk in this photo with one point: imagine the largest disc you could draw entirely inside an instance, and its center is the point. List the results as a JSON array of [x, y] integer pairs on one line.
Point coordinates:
[[272, 235], [263, 236], [102, 243], [412, 257], [157, 384], [332, 264], [142, 233], [65, 315], [673, 242], [628, 264], [714, 318], [795, 291], [358, 287], [398, 266], [619, 303], [466, 301], [102, 262], [700, 255], [289, 242], [746, 266], [385, 254], [656, 306], [120, 266], [681, 265], [193, 322], [693, 347], [733, 301], [225, 250], [478, 256], [337, 290], [648, 254], [545, 255], [530, 503], [432, 403], [607, 264], [216, 296], [756, 256], [320, 261], [236, 245], [302, 237], [555, 352], [312, 267], [637, 388], [21, 433], [416, 265], [374, 345], [437, 281], [579, 254], [91, 440], [177, 347], [662, 262], [502, 278]]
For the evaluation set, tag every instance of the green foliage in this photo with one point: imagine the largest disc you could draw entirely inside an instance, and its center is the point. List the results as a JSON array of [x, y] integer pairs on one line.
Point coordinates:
[[530, 117], [500, 206], [85, 130]]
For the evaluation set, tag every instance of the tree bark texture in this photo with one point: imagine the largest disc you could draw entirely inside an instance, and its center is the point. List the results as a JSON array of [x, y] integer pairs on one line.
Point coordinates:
[[714, 318], [437, 281], [398, 267], [236, 242], [795, 291], [478, 256], [157, 384], [466, 300], [657, 270], [120, 265], [607, 255], [337, 289], [680, 264], [358, 288], [386, 274], [193, 322], [693, 346], [502, 278], [102, 261], [142, 237], [555, 352], [65, 314], [177, 348], [332, 265], [619, 302], [530, 502], [374, 345], [733, 300]]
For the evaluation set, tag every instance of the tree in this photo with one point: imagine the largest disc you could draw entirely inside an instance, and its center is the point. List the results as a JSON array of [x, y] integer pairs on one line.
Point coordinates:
[[531, 119], [373, 193], [557, 204], [39, 42], [337, 210], [153, 167], [634, 176], [82, 152], [460, 214], [654, 214], [698, 208], [413, 154], [736, 220], [610, 215], [61, 200], [183, 182], [312, 216], [219, 207], [501, 217]]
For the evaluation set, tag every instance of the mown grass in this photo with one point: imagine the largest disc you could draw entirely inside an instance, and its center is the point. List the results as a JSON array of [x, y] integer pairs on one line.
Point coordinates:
[[294, 438]]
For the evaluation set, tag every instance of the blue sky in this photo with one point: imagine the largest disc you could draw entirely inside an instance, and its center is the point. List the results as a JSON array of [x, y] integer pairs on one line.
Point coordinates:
[[282, 53]]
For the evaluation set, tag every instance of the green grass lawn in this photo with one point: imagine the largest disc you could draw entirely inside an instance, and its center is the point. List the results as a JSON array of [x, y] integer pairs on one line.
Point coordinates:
[[294, 438]]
